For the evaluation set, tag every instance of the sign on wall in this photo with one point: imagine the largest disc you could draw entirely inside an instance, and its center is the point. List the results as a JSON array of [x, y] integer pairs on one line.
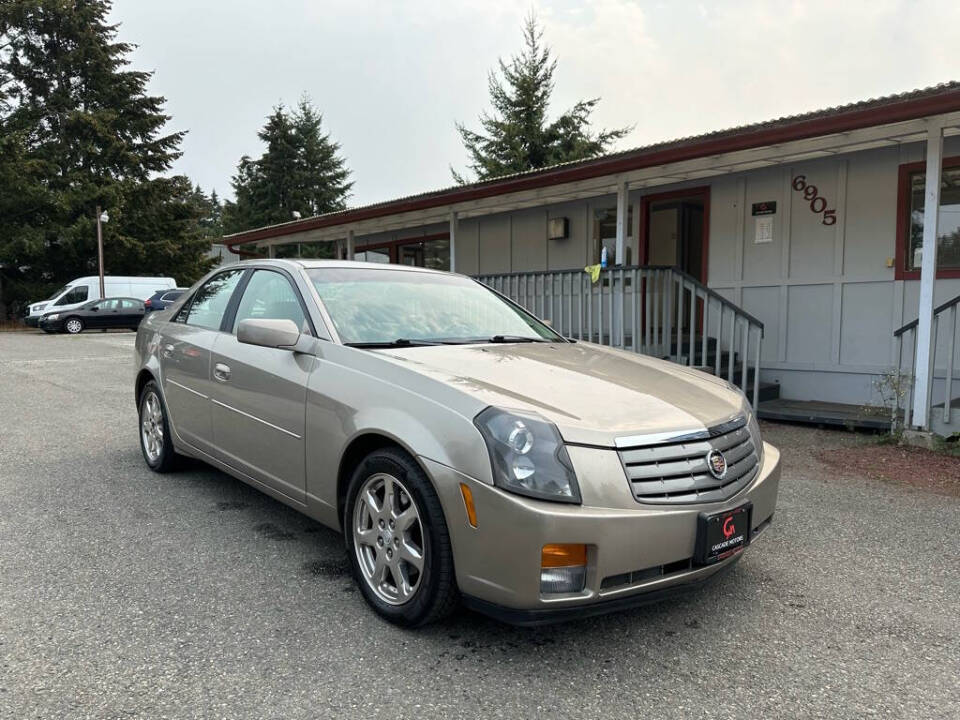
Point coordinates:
[[818, 203], [763, 213], [763, 229]]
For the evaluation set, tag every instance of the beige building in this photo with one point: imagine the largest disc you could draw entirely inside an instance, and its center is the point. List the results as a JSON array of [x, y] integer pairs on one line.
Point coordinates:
[[799, 246]]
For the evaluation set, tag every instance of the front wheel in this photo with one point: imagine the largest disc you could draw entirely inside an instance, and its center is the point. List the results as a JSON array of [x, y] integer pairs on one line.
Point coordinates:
[[73, 325], [397, 540], [155, 440]]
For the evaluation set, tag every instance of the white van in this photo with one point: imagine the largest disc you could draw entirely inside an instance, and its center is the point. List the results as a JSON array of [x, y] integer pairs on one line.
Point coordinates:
[[79, 291]]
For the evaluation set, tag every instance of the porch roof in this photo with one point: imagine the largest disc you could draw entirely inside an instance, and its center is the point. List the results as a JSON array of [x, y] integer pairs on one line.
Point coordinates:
[[857, 126]]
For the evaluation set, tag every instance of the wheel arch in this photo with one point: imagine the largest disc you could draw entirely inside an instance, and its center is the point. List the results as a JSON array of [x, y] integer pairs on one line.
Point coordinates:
[[357, 449], [143, 377]]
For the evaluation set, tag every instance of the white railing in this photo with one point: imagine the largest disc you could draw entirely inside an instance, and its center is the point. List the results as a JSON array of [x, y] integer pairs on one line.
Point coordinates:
[[944, 320], [654, 310]]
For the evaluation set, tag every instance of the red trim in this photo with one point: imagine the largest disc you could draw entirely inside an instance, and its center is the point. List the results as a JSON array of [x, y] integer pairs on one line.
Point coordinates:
[[394, 245], [900, 271], [702, 192], [895, 110]]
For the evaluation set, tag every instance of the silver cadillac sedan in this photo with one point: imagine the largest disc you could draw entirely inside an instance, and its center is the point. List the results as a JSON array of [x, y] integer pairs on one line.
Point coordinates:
[[466, 450]]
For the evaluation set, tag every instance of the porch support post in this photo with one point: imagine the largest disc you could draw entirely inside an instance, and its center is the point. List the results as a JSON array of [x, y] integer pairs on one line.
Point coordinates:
[[623, 208], [271, 251], [350, 245], [926, 351], [453, 241]]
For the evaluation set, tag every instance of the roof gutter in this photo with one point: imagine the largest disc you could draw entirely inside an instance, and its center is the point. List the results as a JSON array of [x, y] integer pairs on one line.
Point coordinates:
[[746, 139]]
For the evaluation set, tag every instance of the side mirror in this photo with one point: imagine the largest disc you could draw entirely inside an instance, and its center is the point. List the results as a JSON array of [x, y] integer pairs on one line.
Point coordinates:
[[282, 334], [95, 308]]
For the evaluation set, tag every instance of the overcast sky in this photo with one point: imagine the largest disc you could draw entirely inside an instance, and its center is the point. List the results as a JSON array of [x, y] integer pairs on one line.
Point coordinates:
[[392, 77]]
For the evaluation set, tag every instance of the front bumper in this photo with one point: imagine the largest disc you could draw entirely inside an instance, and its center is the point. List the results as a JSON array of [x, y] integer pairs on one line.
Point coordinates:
[[32, 321], [550, 615], [635, 553], [50, 325]]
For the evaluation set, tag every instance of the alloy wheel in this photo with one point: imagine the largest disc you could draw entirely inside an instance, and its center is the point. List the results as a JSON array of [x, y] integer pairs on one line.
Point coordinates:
[[151, 427], [388, 539], [74, 326]]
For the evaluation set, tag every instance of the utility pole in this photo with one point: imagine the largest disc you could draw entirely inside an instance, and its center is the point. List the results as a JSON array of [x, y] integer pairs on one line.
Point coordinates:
[[100, 251]]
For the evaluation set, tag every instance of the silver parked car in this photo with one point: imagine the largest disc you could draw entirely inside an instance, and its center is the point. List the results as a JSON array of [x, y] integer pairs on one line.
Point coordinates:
[[465, 449]]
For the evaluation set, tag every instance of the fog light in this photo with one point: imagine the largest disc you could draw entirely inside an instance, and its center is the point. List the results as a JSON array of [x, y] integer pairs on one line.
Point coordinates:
[[562, 580], [563, 568]]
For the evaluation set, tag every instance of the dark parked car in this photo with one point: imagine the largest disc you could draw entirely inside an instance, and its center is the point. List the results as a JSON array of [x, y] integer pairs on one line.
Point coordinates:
[[100, 314], [162, 299]]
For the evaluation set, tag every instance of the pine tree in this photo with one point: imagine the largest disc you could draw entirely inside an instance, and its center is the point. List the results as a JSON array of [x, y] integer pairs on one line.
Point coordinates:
[[517, 136], [77, 131], [300, 171]]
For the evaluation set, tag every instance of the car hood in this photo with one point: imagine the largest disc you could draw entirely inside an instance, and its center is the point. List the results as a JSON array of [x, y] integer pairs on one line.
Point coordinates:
[[592, 393]]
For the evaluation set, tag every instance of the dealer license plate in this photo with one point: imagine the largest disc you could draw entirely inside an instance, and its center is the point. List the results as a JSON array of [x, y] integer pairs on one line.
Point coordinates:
[[720, 535]]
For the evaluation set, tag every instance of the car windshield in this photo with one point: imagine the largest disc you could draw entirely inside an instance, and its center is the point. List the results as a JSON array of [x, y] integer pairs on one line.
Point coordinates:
[[58, 292], [385, 306]]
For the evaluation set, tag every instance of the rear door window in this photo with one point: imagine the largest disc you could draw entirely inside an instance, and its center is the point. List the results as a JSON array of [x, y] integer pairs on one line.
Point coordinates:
[[209, 302]]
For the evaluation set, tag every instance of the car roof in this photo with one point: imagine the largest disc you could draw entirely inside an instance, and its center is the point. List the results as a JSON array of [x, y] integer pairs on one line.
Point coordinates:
[[313, 264]]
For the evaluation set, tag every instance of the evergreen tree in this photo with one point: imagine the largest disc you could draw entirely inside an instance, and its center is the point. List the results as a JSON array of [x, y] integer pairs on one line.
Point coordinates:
[[517, 136], [300, 171], [77, 131]]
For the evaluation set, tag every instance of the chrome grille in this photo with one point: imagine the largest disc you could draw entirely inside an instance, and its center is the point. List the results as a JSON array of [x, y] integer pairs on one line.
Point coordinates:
[[674, 470]]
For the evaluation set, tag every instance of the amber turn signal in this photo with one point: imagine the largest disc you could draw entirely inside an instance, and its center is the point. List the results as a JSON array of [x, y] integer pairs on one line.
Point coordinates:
[[468, 504], [554, 556]]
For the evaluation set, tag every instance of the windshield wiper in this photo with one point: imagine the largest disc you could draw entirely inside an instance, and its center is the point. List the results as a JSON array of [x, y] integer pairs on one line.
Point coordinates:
[[515, 339], [398, 343]]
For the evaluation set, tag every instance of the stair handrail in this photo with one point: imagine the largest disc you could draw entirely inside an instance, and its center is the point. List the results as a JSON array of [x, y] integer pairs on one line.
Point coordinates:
[[912, 327], [712, 293], [936, 311], [686, 276]]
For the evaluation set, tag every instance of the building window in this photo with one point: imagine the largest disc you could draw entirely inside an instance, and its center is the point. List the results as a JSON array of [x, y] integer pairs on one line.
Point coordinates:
[[910, 202], [913, 187], [605, 233]]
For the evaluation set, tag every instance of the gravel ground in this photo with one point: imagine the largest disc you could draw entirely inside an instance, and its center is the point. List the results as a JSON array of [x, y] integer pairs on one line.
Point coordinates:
[[129, 594]]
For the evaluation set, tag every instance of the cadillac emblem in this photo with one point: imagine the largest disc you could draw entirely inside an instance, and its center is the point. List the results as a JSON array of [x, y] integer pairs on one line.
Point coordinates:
[[717, 464]]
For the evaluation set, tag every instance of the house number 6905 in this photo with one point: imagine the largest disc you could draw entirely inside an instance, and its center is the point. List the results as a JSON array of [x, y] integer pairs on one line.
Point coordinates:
[[818, 203]]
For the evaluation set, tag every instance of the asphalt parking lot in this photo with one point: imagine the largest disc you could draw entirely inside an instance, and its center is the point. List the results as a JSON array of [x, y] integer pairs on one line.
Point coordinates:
[[129, 594]]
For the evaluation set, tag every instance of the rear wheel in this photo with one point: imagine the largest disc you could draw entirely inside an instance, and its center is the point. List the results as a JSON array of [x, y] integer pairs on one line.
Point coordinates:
[[155, 440], [73, 325], [397, 540]]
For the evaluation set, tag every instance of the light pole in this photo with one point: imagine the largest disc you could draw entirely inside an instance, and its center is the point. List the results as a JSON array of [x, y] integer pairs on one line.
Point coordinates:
[[102, 217]]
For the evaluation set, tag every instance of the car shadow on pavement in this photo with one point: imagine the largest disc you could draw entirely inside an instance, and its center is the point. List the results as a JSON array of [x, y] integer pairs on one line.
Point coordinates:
[[317, 555]]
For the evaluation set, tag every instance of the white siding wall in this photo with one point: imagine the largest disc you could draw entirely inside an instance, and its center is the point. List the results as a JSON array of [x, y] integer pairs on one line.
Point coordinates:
[[828, 300]]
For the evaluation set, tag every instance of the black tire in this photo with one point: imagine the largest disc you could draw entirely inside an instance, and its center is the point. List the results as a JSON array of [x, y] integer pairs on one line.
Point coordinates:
[[436, 595], [166, 459], [73, 326]]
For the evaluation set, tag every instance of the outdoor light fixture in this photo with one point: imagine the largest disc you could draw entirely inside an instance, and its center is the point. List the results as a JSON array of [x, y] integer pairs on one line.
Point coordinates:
[[104, 217]]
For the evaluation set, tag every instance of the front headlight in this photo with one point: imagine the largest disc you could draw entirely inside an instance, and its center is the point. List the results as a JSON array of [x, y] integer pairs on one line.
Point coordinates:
[[54, 316], [528, 455]]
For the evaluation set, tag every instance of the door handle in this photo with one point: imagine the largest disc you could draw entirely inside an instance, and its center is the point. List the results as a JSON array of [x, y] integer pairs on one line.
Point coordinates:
[[221, 372]]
